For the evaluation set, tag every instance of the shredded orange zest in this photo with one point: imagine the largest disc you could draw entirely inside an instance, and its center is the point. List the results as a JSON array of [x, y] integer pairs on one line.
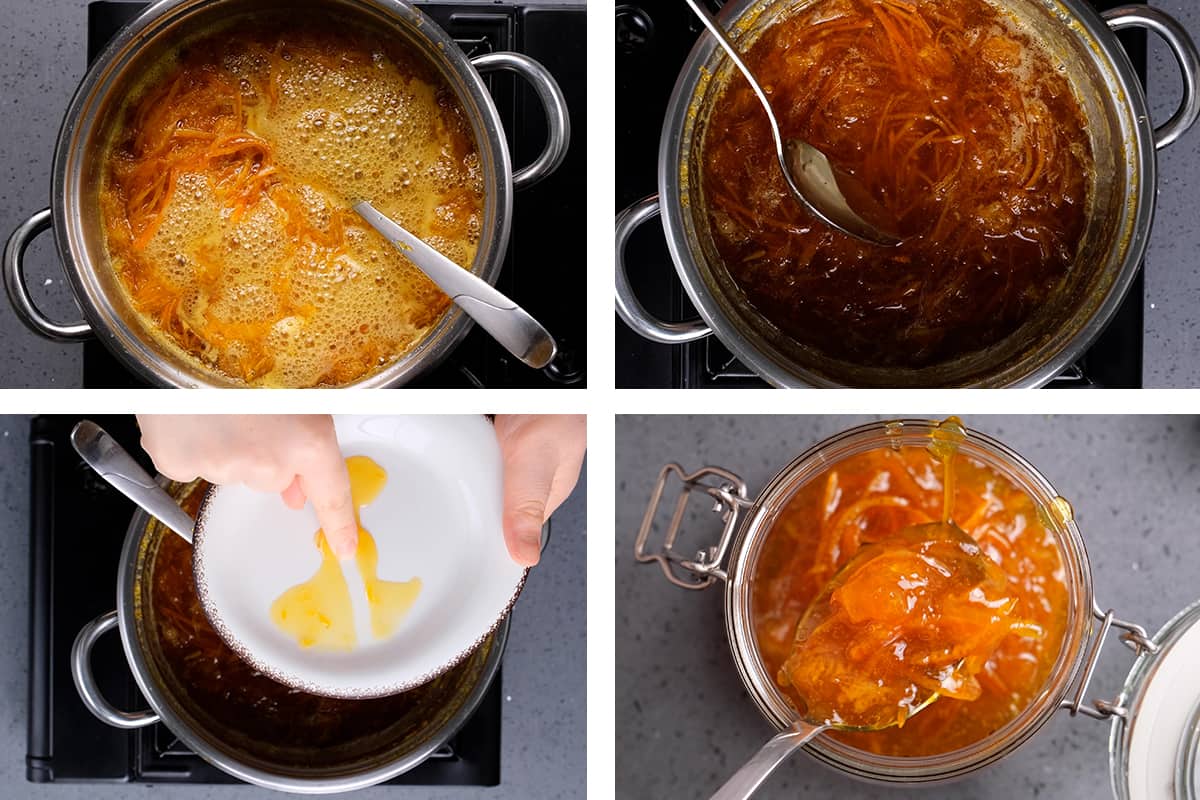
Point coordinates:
[[961, 129], [196, 129], [858, 508]]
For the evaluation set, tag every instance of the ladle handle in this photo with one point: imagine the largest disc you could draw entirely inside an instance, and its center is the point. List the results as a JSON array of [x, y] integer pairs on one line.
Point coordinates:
[[123, 473], [723, 40], [505, 321], [745, 781]]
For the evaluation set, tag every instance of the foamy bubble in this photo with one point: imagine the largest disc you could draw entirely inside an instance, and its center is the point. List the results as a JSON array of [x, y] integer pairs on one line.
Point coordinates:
[[360, 131]]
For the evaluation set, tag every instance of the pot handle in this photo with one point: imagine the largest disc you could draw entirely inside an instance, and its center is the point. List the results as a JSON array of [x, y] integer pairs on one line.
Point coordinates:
[[1184, 50], [18, 292], [629, 307], [558, 122], [729, 494], [85, 681]]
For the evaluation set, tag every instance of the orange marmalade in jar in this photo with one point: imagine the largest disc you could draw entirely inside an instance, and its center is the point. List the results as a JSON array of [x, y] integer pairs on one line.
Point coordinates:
[[872, 496]]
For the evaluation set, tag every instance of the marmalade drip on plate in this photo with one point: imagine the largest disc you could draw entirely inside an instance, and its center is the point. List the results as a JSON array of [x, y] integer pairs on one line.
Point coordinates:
[[1012, 627], [964, 131], [227, 192], [319, 613]]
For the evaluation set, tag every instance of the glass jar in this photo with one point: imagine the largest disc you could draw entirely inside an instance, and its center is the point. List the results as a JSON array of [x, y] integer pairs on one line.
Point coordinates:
[[748, 523]]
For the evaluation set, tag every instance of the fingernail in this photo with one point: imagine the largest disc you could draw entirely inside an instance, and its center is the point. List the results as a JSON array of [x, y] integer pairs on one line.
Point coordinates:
[[529, 547]]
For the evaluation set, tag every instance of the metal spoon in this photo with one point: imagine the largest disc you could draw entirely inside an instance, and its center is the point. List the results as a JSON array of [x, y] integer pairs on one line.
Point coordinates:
[[817, 184], [112, 463], [508, 323], [745, 781]]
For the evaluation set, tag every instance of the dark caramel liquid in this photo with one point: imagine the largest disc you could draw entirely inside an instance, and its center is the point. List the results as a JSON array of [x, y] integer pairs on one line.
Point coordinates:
[[959, 126]]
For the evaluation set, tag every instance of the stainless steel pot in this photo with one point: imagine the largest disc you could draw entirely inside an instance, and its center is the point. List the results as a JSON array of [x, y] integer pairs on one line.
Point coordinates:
[[78, 163], [1123, 144], [459, 693]]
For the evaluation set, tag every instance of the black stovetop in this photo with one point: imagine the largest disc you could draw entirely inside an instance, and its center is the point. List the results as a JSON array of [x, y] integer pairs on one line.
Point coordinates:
[[543, 270], [653, 39], [77, 528]]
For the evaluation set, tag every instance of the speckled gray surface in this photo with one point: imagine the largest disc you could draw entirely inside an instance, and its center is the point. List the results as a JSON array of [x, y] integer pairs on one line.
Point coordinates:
[[544, 713], [683, 721], [43, 55]]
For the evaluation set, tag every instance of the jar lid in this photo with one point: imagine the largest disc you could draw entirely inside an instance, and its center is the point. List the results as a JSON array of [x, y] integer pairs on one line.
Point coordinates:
[[1154, 744]]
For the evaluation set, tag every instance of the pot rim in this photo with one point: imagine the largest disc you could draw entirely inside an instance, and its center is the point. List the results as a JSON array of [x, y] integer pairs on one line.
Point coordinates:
[[126, 580], [756, 525], [1083, 21], [122, 338]]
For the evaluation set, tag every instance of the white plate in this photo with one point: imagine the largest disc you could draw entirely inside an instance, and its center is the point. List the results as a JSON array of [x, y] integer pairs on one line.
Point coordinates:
[[438, 518]]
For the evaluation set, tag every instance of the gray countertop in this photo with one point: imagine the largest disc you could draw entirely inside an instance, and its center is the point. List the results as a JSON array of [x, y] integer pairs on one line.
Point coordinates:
[[543, 737], [684, 722]]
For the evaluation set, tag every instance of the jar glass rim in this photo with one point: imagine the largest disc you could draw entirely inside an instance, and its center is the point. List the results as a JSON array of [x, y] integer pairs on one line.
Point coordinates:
[[757, 526]]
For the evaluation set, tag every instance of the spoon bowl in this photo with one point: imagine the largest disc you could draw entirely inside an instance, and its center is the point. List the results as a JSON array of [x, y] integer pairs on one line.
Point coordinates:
[[820, 612], [832, 195]]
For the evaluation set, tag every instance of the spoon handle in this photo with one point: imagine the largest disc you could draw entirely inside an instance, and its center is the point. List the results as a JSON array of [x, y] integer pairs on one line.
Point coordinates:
[[508, 323], [746, 780], [113, 464], [731, 51]]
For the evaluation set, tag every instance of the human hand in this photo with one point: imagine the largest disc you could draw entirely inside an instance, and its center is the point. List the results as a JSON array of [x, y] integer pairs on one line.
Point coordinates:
[[543, 454], [295, 455]]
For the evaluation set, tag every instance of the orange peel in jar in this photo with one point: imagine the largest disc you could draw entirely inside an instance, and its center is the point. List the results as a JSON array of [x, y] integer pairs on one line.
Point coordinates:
[[907, 620]]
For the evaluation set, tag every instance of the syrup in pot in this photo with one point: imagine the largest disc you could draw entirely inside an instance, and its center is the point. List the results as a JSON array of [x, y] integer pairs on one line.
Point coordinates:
[[958, 123], [226, 199]]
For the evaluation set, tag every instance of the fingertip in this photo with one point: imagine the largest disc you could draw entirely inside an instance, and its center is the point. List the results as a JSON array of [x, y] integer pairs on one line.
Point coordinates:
[[524, 541], [530, 554]]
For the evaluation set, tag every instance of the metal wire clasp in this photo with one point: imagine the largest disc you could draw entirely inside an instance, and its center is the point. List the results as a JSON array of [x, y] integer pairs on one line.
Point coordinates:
[[728, 492], [1134, 637]]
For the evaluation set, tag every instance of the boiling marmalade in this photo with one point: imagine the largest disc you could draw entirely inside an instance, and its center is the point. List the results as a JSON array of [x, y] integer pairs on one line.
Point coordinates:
[[319, 613], [964, 131], [999, 632], [227, 196]]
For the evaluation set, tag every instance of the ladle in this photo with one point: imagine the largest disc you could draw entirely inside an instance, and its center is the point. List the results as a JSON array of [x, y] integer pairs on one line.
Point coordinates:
[[506, 322], [746, 780], [818, 185], [112, 463]]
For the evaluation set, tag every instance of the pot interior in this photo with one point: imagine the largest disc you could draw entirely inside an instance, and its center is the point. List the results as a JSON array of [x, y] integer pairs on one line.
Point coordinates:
[[96, 115], [1118, 211], [242, 717]]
